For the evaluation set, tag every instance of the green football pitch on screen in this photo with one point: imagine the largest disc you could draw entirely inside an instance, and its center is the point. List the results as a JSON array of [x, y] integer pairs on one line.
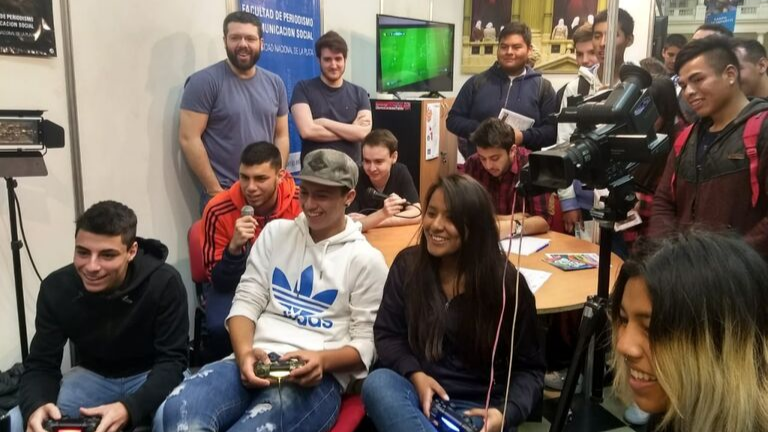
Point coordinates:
[[410, 55]]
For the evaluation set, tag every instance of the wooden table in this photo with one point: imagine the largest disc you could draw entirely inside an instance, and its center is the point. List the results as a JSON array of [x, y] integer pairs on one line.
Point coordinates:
[[563, 291]]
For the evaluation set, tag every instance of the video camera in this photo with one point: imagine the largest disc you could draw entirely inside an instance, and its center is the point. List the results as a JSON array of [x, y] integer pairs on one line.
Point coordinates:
[[614, 132]]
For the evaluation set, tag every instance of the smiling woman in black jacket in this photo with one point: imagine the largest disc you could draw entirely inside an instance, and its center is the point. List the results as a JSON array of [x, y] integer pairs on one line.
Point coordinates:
[[438, 321]]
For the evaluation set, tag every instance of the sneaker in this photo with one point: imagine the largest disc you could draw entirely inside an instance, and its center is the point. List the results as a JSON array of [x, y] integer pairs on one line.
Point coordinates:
[[556, 380], [635, 416]]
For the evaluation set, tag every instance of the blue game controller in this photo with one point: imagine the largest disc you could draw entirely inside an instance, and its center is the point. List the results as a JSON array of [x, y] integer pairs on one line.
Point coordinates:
[[448, 418]]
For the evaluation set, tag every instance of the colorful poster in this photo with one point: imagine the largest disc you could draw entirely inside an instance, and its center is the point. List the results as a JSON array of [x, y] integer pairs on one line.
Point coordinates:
[[290, 31], [26, 28]]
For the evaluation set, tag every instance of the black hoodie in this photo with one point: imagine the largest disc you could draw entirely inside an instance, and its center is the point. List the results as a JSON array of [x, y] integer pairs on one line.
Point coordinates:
[[140, 326]]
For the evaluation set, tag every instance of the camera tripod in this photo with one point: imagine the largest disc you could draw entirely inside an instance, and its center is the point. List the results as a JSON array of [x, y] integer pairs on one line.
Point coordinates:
[[593, 338], [593, 320]]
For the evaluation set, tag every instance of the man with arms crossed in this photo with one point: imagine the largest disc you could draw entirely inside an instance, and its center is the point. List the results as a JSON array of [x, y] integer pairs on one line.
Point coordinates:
[[228, 234], [125, 311], [329, 111], [310, 291], [230, 104]]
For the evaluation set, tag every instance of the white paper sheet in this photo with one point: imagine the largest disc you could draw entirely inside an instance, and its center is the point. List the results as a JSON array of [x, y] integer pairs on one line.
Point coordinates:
[[530, 245], [535, 278]]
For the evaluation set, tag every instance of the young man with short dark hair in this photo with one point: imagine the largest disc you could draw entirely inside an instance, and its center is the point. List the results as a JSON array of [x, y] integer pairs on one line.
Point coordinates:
[[586, 59], [125, 312], [507, 84], [269, 190], [383, 174], [496, 166], [672, 45], [753, 63], [310, 291], [329, 111], [575, 201], [715, 175]]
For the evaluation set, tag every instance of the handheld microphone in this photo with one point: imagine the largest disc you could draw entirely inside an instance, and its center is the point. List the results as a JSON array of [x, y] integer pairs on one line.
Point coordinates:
[[378, 196], [247, 211]]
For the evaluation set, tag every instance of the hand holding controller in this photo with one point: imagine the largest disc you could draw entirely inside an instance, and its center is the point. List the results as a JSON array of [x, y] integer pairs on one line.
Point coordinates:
[[276, 368], [81, 424], [448, 418]]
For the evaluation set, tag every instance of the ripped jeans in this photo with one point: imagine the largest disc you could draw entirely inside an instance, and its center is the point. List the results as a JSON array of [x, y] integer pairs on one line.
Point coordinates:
[[214, 399]]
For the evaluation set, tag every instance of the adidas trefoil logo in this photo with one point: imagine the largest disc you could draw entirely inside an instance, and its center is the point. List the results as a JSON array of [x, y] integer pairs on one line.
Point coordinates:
[[298, 302]]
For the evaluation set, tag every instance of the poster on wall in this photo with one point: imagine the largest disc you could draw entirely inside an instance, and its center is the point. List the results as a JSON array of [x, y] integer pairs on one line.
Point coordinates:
[[488, 16], [722, 12], [26, 28], [290, 30], [571, 14], [432, 131]]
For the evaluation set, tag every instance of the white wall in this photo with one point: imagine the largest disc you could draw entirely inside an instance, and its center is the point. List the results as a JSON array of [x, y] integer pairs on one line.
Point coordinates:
[[47, 202], [131, 60], [640, 10]]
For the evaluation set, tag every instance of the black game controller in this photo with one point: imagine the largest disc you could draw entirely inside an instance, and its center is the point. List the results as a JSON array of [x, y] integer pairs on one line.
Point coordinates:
[[448, 418], [81, 424], [277, 368]]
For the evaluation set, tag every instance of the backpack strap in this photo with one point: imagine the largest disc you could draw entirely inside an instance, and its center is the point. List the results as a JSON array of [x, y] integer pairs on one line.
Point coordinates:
[[751, 133], [583, 88], [680, 141]]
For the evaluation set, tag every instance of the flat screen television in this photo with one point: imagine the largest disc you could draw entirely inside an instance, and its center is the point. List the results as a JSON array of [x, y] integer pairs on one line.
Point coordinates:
[[413, 55]]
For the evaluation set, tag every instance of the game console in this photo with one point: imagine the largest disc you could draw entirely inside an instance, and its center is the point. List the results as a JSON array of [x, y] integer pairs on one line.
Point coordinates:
[[65, 424], [448, 419]]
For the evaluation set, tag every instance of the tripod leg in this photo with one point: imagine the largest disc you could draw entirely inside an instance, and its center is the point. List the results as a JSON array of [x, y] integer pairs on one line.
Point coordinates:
[[601, 335], [592, 319]]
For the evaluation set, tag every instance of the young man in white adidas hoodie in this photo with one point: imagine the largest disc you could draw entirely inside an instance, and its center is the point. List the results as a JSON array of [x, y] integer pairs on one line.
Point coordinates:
[[311, 290]]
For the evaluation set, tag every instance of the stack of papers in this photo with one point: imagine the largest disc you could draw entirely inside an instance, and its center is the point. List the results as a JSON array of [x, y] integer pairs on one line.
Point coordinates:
[[525, 245]]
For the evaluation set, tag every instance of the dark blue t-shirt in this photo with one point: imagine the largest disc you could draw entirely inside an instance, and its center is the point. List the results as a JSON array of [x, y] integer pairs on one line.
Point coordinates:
[[339, 104]]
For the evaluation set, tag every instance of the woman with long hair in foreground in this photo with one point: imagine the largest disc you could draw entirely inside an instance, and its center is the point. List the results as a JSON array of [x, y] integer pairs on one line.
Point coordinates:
[[690, 334]]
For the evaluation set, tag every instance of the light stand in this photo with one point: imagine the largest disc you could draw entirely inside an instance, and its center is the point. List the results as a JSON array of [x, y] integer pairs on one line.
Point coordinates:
[[16, 245], [23, 134]]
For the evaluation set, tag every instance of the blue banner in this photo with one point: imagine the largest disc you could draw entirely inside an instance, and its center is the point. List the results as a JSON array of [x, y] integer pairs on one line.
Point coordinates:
[[290, 31], [722, 12]]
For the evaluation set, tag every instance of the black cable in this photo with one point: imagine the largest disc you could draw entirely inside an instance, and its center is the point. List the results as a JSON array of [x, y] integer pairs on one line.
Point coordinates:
[[24, 235]]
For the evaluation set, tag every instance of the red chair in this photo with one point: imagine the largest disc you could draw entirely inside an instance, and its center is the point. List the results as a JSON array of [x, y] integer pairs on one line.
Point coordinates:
[[351, 413], [199, 277]]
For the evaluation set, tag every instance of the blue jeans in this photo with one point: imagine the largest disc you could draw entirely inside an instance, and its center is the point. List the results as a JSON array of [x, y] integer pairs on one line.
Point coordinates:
[[81, 387], [214, 399], [217, 305], [392, 403]]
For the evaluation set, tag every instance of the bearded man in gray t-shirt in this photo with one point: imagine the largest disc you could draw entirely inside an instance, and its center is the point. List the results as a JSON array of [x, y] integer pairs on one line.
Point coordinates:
[[229, 105]]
